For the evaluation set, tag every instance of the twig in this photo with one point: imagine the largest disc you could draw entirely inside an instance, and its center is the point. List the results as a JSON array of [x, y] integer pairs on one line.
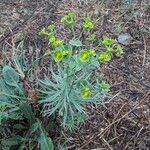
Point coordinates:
[[107, 144], [119, 111], [145, 49]]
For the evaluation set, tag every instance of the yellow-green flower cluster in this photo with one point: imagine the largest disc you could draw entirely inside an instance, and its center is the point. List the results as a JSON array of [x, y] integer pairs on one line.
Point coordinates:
[[112, 47], [88, 23], [107, 41], [49, 31], [85, 55], [104, 57], [86, 93], [104, 86], [69, 19], [92, 52], [59, 55], [55, 42]]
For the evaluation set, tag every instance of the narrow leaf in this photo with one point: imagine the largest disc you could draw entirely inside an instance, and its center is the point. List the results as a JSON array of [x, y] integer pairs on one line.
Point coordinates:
[[28, 113], [10, 76], [75, 42], [44, 140]]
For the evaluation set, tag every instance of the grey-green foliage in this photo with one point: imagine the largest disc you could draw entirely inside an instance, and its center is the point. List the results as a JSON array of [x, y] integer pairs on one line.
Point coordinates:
[[12, 94], [62, 92], [28, 113], [57, 96], [12, 141], [77, 43], [44, 140], [36, 133], [14, 106]]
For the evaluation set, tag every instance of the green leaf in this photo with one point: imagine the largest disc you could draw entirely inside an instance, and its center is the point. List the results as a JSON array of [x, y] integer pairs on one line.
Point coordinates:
[[75, 42], [107, 41], [95, 62], [44, 140], [19, 68], [72, 64], [28, 113], [10, 76], [51, 27], [105, 56], [15, 114], [14, 140], [19, 127], [92, 37], [88, 23], [3, 115], [72, 14], [78, 67], [119, 50], [4, 89], [104, 86], [3, 98], [34, 127]]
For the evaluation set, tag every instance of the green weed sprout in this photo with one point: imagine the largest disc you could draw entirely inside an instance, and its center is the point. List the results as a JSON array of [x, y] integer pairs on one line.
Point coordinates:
[[72, 82]]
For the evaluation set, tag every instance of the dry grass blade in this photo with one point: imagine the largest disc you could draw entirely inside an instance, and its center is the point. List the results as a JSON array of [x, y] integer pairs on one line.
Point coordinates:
[[145, 49]]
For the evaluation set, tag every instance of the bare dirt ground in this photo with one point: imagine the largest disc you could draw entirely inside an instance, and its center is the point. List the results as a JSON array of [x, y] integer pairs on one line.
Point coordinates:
[[125, 124]]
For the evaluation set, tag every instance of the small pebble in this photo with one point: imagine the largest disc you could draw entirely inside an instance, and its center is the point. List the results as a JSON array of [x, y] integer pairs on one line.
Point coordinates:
[[124, 38]]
